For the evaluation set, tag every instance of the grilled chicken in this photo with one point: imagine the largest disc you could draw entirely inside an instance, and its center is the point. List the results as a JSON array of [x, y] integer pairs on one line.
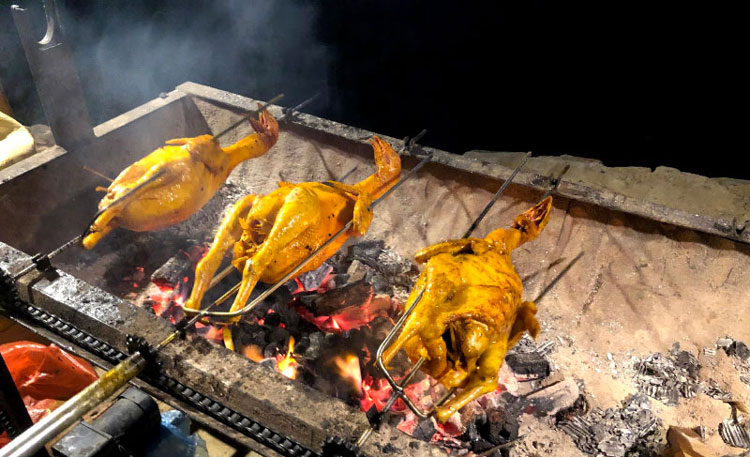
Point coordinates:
[[272, 234], [471, 311], [176, 180]]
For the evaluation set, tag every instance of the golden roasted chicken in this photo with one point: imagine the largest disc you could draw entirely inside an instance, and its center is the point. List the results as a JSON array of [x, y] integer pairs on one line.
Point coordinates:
[[471, 311], [176, 180], [274, 233]]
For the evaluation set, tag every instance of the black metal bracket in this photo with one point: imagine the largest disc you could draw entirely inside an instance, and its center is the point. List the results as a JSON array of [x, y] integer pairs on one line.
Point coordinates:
[[339, 447]]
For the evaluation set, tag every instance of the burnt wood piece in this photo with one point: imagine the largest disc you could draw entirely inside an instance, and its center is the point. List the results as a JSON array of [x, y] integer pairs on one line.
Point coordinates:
[[173, 272]]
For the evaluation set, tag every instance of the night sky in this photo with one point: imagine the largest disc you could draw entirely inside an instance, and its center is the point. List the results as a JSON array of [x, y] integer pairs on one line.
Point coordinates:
[[628, 83]]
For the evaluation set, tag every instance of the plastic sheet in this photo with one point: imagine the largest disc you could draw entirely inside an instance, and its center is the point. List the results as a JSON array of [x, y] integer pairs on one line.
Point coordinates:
[[175, 439], [45, 376]]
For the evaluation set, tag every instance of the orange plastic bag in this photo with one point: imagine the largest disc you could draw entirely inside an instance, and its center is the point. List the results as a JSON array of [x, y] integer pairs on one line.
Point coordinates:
[[45, 376]]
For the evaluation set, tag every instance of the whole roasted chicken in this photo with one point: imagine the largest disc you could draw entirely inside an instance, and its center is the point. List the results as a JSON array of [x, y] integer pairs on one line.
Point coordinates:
[[272, 234], [176, 180], [471, 311]]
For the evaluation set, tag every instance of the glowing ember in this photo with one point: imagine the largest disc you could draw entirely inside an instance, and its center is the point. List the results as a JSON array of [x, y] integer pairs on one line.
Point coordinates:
[[286, 364], [253, 352], [377, 394], [348, 368], [351, 317]]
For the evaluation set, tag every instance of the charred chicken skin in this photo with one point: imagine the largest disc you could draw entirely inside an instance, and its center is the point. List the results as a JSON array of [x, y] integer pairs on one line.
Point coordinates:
[[471, 311], [272, 234], [173, 182]]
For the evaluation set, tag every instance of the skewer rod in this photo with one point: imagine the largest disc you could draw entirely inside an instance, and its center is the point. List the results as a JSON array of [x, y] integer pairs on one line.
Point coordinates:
[[486, 209], [307, 260]]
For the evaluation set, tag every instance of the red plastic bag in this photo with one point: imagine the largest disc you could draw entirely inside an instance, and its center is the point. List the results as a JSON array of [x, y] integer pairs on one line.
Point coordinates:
[[45, 376]]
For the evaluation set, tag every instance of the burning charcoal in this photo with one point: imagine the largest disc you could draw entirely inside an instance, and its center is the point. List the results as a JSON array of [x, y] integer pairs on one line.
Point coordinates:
[[316, 344], [531, 364], [286, 314], [247, 334], [173, 272], [272, 349], [425, 429], [740, 350], [279, 335], [353, 294], [302, 345], [272, 320], [313, 279]]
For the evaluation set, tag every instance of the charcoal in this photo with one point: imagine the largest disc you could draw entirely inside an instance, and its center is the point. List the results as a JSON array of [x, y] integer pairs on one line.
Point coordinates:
[[502, 425], [555, 398], [286, 314], [247, 334], [528, 363], [734, 434], [357, 270], [279, 335], [272, 349], [740, 350], [352, 294], [302, 345], [173, 271], [311, 280], [272, 320], [367, 252], [670, 377], [316, 344], [630, 430], [424, 430]]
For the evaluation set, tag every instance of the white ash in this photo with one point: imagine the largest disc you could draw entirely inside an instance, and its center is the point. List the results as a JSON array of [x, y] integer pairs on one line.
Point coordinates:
[[633, 430], [669, 377]]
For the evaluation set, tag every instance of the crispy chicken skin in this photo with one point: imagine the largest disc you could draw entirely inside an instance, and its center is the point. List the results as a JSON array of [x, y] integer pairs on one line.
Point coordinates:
[[173, 182], [471, 311], [272, 234]]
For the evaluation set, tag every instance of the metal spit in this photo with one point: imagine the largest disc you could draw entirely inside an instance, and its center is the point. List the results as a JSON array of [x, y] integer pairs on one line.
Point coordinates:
[[398, 389], [73, 410]]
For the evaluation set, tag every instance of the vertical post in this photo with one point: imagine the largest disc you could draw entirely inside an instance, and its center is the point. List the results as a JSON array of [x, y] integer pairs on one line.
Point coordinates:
[[55, 77]]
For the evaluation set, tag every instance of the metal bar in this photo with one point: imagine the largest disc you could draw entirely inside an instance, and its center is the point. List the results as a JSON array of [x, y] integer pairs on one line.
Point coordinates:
[[307, 260], [36, 437], [496, 196], [248, 116]]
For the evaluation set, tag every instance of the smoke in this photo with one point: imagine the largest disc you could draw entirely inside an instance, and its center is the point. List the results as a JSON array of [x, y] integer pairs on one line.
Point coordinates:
[[129, 52]]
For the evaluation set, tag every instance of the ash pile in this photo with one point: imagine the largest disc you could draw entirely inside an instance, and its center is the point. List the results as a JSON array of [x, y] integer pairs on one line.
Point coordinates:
[[669, 377], [632, 430]]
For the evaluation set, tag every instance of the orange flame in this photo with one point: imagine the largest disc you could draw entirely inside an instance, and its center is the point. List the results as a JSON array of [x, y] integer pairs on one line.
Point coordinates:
[[286, 365], [348, 368], [253, 352]]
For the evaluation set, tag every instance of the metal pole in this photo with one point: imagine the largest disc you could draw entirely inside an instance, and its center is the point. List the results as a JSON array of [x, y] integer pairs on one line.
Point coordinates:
[[73, 410]]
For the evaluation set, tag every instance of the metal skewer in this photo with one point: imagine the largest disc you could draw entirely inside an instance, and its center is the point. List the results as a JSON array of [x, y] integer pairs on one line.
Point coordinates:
[[42, 261], [494, 198], [245, 117], [398, 389], [247, 308]]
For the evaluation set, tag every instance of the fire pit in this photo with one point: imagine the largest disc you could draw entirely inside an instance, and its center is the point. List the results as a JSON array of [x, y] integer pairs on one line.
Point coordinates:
[[617, 283]]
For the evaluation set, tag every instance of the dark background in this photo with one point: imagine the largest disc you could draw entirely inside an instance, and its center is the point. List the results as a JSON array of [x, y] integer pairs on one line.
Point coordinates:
[[628, 83]]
